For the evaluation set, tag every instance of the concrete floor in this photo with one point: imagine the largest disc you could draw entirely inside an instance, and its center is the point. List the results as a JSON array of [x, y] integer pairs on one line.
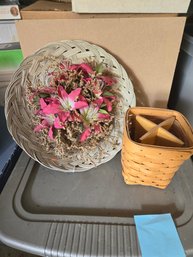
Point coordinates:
[[10, 252]]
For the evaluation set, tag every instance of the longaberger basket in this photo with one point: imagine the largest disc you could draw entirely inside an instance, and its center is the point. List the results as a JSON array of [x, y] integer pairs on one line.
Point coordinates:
[[154, 165], [33, 71]]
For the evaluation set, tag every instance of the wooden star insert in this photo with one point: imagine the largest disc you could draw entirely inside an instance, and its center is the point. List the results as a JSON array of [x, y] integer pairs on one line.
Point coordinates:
[[158, 134]]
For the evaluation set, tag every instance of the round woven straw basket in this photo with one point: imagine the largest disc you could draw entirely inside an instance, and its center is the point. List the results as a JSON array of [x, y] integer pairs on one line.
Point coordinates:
[[154, 165], [32, 71]]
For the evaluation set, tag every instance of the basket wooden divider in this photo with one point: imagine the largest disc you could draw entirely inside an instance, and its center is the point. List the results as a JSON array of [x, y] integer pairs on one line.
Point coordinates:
[[154, 165]]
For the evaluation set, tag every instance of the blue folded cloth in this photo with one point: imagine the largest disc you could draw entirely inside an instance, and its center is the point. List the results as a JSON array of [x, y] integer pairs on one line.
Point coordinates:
[[158, 236]]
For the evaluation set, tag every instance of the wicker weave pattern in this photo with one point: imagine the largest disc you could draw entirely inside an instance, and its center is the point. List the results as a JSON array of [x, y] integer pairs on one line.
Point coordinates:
[[153, 165], [32, 71]]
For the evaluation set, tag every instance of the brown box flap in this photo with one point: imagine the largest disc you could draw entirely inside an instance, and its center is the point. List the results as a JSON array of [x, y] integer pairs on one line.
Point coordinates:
[[60, 10], [147, 47]]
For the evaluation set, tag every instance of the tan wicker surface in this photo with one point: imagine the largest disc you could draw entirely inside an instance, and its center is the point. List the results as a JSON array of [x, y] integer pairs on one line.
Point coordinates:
[[154, 165], [32, 70]]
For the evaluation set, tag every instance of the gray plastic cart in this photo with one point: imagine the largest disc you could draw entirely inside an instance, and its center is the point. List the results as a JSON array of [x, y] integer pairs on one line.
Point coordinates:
[[51, 213]]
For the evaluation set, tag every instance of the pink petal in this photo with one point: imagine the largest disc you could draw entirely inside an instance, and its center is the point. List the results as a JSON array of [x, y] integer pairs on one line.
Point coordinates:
[[97, 129], [86, 67], [103, 116], [52, 100], [108, 80], [85, 135], [63, 116], [109, 96], [45, 123], [74, 94], [71, 118], [57, 123], [87, 79], [62, 93], [97, 92], [62, 66], [108, 104], [82, 98], [51, 73], [38, 112], [48, 90], [50, 133], [98, 102], [62, 77], [74, 67], [52, 109], [42, 103], [39, 127], [83, 66], [79, 105]]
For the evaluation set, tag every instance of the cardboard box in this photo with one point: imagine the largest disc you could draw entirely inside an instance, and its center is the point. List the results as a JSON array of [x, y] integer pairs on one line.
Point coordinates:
[[63, 10], [130, 6], [147, 47], [47, 9]]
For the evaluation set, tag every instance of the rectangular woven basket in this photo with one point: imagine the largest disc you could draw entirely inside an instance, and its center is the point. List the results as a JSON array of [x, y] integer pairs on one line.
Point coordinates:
[[153, 165]]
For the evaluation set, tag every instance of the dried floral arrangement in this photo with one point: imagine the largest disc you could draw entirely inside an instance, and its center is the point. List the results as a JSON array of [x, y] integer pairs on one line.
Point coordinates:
[[65, 105], [76, 108]]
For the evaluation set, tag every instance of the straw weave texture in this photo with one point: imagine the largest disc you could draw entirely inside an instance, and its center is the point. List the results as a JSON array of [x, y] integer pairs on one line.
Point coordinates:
[[32, 71], [154, 165]]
